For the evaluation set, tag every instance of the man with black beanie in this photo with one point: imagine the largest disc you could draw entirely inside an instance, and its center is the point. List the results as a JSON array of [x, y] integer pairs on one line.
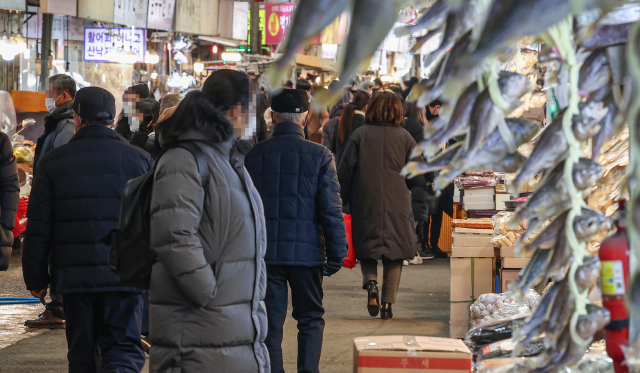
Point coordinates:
[[75, 202], [306, 236]]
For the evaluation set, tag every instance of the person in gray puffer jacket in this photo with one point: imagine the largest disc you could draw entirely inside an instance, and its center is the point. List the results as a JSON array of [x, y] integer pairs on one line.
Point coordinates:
[[208, 285]]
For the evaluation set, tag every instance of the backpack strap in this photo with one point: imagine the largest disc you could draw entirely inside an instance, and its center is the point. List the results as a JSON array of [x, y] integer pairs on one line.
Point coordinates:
[[200, 157]]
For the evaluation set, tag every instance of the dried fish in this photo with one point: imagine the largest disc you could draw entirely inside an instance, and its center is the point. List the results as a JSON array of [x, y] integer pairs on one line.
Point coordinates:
[[594, 72]]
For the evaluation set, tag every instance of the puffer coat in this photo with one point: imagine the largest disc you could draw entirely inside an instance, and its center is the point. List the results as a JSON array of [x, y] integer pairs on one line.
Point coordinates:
[[207, 288], [75, 201], [378, 196], [9, 198]]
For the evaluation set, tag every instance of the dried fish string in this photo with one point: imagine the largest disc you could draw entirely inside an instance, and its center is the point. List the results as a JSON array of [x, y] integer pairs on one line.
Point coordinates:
[[562, 35], [633, 169]]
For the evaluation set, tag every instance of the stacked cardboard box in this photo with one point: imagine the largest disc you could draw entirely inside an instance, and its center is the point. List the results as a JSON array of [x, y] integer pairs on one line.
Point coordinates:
[[511, 266], [402, 353], [472, 253], [479, 198]]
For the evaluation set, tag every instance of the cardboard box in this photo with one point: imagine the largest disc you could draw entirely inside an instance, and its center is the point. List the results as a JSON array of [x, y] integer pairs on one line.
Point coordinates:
[[459, 322], [506, 277], [484, 276], [472, 230], [500, 200], [501, 189], [477, 199], [514, 263], [479, 205], [471, 240], [507, 252], [483, 191], [406, 354]]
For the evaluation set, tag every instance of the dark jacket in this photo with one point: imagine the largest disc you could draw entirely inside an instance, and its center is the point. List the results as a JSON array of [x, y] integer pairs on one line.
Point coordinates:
[[75, 202], [58, 130], [9, 198], [378, 196], [421, 192], [334, 118], [337, 145], [297, 181], [208, 285]]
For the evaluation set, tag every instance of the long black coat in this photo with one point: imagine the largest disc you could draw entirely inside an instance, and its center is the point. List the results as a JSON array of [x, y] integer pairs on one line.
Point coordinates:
[[419, 193], [9, 197], [377, 194], [75, 202]]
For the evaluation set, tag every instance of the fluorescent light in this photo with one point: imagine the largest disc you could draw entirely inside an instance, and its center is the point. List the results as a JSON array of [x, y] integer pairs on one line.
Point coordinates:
[[231, 56], [152, 57], [386, 79]]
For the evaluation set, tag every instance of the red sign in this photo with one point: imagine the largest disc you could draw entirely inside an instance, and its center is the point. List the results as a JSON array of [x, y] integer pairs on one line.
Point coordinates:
[[278, 18]]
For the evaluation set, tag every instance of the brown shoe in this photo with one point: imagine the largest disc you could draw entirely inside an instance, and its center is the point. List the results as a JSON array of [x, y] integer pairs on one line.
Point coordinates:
[[46, 320]]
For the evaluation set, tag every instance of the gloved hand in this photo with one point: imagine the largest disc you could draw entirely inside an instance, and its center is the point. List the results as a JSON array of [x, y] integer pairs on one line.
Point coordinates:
[[332, 266]]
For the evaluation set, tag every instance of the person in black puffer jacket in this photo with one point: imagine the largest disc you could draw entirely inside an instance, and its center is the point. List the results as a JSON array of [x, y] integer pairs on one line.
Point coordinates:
[[9, 198], [75, 202]]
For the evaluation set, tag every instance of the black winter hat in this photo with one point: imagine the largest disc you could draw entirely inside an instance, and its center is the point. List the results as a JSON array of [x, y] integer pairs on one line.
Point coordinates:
[[227, 87], [94, 103], [141, 89], [290, 101]]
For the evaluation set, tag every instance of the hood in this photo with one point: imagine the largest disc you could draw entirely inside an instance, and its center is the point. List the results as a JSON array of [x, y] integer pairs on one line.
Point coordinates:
[[338, 108]]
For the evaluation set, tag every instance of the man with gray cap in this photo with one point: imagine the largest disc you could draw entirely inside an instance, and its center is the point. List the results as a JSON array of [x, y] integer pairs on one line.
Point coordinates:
[[75, 201], [306, 237]]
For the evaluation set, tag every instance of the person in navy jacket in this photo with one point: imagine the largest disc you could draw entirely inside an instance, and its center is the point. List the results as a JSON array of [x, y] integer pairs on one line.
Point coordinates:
[[306, 236]]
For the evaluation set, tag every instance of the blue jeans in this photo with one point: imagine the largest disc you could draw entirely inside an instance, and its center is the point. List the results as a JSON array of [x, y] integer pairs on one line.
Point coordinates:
[[103, 332], [306, 298]]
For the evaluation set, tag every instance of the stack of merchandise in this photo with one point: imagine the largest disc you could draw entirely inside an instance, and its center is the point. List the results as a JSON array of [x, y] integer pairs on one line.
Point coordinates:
[[482, 193], [472, 269], [505, 239]]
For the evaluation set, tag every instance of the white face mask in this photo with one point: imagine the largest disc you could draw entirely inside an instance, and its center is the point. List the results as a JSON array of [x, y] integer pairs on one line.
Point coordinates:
[[128, 108], [50, 103]]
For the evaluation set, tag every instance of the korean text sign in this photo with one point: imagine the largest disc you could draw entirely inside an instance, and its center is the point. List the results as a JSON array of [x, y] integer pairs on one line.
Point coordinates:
[[99, 41], [278, 17]]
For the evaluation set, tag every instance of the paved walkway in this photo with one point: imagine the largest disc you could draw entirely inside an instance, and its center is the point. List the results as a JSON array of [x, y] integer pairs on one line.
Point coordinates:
[[422, 309]]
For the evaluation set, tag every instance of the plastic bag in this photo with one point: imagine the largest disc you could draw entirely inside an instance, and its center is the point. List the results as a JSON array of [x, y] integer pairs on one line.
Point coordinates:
[[493, 331], [500, 306], [350, 259]]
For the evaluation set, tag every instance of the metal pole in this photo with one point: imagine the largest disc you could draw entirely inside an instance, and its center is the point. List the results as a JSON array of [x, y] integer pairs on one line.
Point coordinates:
[[47, 26], [256, 37]]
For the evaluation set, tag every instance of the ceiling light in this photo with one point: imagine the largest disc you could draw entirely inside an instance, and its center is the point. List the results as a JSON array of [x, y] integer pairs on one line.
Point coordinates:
[[152, 57], [231, 57], [198, 66]]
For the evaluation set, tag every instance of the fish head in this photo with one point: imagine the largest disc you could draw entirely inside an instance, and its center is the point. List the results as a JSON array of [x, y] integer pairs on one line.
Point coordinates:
[[589, 223], [600, 315], [513, 86], [586, 173], [587, 123], [588, 273]]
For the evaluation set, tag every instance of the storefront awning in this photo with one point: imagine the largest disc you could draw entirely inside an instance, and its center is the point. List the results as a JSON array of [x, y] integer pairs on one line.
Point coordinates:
[[315, 63], [223, 41]]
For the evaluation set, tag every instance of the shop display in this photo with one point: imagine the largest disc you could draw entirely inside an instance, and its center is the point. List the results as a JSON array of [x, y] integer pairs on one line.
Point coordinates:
[[483, 223], [489, 307], [493, 331]]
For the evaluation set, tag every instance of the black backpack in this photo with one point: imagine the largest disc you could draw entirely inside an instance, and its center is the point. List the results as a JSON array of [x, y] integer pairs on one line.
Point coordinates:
[[131, 257]]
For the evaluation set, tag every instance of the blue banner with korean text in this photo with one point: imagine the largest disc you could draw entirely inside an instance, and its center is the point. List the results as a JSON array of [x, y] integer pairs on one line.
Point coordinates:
[[102, 44]]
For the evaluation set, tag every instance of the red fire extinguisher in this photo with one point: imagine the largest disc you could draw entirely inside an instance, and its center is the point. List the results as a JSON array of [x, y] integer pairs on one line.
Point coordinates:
[[614, 256]]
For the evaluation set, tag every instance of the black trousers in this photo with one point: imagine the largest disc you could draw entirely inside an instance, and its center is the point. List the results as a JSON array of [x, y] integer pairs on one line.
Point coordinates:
[[56, 306], [436, 224], [103, 332], [306, 298]]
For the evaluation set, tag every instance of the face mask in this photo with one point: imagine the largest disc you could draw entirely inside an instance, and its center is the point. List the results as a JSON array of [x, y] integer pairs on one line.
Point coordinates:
[[128, 108], [50, 103]]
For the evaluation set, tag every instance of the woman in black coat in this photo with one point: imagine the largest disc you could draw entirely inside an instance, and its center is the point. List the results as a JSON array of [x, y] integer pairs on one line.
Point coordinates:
[[352, 118], [379, 198]]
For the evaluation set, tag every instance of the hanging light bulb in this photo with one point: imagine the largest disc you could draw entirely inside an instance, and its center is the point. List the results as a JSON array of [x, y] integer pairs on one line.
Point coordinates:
[[154, 75], [198, 66], [152, 57], [22, 44]]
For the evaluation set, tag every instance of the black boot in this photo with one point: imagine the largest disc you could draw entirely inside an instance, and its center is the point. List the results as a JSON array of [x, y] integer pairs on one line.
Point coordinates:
[[437, 252], [385, 311], [373, 300], [425, 252]]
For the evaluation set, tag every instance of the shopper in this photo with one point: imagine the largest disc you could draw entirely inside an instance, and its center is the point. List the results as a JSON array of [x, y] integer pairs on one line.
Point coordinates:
[[377, 85], [317, 117], [233, 94], [334, 117], [288, 84], [444, 201], [146, 114], [208, 284], [352, 118], [58, 130], [367, 86], [128, 122], [422, 195], [75, 202], [378, 197], [306, 235], [9, 198], [58, 126]]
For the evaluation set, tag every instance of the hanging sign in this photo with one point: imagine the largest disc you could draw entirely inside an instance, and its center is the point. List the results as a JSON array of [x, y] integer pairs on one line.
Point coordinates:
[[66, 28], [13, 4], [188, 16], [130, 12], [64, 7], [99, 41], [277, 18], [160, 15]]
